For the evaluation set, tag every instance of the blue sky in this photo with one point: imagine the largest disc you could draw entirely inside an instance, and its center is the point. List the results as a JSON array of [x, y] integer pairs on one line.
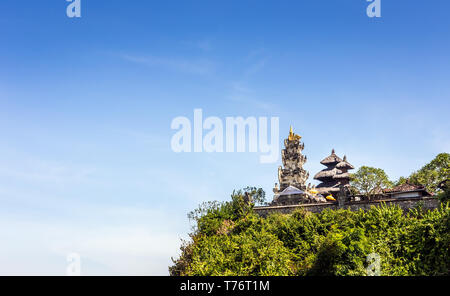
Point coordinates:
[[86, 106]]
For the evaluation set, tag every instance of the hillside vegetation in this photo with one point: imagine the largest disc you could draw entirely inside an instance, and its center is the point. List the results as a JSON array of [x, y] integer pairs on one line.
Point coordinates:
[[230, 239]]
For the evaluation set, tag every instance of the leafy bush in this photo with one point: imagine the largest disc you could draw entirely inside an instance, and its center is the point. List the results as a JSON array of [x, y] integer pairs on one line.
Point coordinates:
[[230, 239]]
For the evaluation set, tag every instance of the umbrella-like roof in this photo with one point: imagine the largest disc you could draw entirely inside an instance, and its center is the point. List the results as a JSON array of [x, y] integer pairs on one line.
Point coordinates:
[[344, 164], [341, 176], [331, 159], [327, 173]]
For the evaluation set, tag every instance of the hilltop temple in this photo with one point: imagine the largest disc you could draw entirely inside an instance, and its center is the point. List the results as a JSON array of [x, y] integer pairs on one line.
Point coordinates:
[[334, 176], [292, 177], [333, 192]]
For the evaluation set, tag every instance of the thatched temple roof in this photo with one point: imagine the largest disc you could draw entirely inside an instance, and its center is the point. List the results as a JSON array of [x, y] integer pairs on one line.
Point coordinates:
[[342, 176], [327, 173], [344, 165], [334, 175], [331, 159], [406, 187]]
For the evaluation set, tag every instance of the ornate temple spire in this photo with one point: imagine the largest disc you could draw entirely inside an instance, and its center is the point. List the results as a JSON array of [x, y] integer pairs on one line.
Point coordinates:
[[292, 136], [292, 172]]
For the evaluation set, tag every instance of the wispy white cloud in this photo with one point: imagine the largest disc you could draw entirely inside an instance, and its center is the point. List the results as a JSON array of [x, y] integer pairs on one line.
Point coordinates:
[[34, 170], [48, 211], [240, 89], [190, 66], [242, 94], [157, 142], [110, 241], [255, 62], [255, 67]]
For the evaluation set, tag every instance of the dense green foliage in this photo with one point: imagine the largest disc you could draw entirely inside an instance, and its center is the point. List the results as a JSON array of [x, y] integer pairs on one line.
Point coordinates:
[[444, 196], [432, 174], [230, 239]]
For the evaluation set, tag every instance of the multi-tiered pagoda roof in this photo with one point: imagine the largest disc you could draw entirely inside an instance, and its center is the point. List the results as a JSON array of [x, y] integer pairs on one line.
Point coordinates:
[[335, 175]]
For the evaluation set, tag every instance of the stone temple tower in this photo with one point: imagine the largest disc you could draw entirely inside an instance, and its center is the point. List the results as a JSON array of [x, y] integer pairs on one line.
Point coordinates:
[[335, 175], [292, 172]]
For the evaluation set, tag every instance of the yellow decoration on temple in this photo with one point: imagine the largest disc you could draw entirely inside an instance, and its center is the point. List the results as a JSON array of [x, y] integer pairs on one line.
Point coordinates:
[[313, 191], [293, 136], [330, 197]]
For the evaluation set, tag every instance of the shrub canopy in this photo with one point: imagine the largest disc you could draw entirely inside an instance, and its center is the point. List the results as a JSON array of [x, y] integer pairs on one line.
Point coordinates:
[[230, 239]]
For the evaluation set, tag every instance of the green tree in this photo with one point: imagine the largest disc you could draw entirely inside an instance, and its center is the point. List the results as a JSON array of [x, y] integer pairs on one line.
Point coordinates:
[[444, 196], [433, 173], [402, 180], [369, 181]]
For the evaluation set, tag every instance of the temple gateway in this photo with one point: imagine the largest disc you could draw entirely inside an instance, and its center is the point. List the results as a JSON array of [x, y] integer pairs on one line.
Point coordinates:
[[292, 177]]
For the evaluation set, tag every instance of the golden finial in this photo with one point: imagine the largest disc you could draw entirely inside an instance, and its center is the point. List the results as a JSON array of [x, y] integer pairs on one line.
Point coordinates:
[[293, 136]]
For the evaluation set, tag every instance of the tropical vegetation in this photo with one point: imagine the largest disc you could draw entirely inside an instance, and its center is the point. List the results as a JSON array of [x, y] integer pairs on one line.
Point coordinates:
[[229, 238]]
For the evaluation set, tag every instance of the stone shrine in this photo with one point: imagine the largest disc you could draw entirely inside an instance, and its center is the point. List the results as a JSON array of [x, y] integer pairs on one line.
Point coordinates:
[[292, 172]]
